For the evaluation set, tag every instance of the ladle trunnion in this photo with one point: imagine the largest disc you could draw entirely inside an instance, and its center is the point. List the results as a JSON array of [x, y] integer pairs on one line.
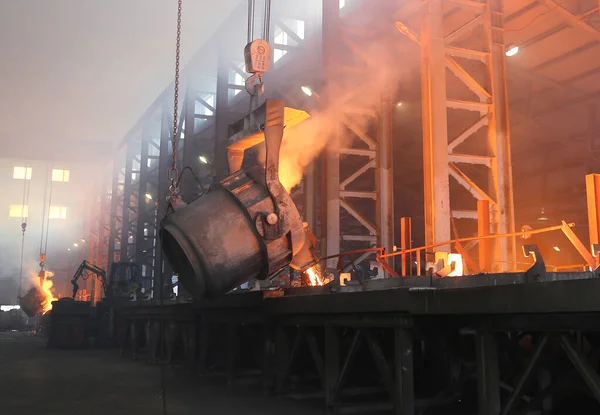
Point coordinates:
[[246, 227]]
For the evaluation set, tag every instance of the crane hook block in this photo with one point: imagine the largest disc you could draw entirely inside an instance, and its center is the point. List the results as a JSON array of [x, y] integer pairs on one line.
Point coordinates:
[[257, 55]]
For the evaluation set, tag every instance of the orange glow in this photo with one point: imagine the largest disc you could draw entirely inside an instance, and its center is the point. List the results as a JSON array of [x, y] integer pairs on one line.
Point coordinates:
[[47, 288], [315, 278]]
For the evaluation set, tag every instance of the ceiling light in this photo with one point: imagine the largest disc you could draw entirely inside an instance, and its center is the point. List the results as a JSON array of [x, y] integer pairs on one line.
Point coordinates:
[[512, 50], [398, 104], [307, 91], [148, 196], [203, 159], [557, 249], [82, 240], [68, 249], [75, 245], [542, 217]]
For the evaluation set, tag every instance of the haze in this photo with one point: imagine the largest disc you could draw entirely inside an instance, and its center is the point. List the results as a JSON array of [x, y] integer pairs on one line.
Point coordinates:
[[83, 71]]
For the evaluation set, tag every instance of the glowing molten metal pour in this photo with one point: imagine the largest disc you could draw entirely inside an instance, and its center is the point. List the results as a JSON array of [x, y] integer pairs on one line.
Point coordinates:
[[315, 278], [46, 286]]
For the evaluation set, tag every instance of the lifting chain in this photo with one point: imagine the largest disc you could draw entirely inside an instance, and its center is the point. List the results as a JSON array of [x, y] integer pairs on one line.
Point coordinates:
[[173, 171]]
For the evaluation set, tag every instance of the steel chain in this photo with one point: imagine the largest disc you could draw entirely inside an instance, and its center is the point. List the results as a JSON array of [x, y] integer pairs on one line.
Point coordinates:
[[173, 171]]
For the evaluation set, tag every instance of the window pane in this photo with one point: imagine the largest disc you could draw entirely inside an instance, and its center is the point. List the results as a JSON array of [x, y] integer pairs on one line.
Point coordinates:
[[21, 173], [18, 211], [58, 212], [57, 175]]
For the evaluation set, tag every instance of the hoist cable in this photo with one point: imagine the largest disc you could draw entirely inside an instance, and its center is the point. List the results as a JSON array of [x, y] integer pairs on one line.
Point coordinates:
[[173, 173], [25, 205], [251, 20], [44, 211], [48, 217], [267, 22], [173, 176]]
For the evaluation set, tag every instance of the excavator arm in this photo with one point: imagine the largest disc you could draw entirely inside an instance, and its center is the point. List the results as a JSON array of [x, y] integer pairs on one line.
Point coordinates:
[[85, 270]]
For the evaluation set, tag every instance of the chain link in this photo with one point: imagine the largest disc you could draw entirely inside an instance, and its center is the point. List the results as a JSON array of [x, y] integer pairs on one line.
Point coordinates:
[[173, 171]]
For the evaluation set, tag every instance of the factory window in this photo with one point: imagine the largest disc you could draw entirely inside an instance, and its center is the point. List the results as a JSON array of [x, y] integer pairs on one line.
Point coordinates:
[[57, 212], [18, 211], [206, 104], [22, 173], [59, 175], [283, 38]]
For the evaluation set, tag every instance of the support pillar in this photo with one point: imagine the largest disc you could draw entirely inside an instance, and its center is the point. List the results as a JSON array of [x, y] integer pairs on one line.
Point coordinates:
[[405, 244], [405, 390], [385, 177], [330, 173], [332, 365], [487, 374], [435, 133], [503, 214], [483, 229], [592, 184]]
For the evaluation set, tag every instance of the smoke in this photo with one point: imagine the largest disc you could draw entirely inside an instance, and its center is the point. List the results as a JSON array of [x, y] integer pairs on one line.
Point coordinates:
[[348, 97]]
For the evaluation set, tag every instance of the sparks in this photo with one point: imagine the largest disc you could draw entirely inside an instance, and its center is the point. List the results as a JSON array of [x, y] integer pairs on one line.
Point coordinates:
[[315, 278]]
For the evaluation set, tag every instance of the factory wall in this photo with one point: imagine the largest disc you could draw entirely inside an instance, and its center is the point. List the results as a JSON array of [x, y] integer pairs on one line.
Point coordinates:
[[66, 188]]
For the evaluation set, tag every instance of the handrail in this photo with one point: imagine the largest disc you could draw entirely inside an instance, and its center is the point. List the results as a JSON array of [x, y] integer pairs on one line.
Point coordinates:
[[476, 238]]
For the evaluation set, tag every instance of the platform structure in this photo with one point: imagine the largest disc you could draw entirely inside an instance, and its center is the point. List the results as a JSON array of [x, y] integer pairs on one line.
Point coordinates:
[[367, 347]]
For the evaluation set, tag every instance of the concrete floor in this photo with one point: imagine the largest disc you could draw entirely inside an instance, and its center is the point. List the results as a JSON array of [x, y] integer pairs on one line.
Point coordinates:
[[35, 380]]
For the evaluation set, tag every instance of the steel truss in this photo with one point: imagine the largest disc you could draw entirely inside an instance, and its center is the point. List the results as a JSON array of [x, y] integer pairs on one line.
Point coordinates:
[[464, 78], [357, 178], [383, 360]]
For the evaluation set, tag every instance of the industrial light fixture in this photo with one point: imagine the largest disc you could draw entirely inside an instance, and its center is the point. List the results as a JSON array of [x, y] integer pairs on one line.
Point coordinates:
[[398, 104], [556, 248], [307, 91], [82, 240], [68, 249], [75, 245], [512, 50], [148, 196], [407, 31], [203, 159], [542, 217]]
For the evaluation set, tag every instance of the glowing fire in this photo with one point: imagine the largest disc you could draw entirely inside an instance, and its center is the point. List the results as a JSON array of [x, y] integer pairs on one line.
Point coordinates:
[[47, 289], [315, 278]]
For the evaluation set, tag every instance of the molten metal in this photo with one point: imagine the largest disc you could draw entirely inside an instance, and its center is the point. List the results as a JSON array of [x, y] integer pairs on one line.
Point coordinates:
[[315, 278]]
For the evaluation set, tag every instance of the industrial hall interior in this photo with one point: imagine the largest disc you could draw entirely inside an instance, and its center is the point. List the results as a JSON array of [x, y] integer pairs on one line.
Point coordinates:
[[300, 206]]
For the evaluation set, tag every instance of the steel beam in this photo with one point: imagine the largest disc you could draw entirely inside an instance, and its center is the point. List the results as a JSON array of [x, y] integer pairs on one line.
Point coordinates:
[[488, 374], [162, 267], [129, 203], [592, 182], [404, 372], [581, 363], [503, 215], [435, 130], [330, 209], [385, 177]]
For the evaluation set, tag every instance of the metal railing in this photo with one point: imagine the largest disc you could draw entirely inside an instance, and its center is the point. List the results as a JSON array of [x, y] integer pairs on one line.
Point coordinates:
[[417, 254]]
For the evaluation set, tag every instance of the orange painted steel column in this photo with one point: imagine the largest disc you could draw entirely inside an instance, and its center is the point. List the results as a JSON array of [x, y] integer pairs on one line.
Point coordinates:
[[483, 229]]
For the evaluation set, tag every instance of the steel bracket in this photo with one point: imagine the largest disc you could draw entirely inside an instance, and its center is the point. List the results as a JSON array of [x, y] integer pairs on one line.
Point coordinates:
[[537, 271]]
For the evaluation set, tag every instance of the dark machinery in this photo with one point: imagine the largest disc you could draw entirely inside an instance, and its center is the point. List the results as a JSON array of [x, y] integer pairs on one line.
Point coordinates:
[[33, 302], [123, 279], [86, 270], [246, 227]]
